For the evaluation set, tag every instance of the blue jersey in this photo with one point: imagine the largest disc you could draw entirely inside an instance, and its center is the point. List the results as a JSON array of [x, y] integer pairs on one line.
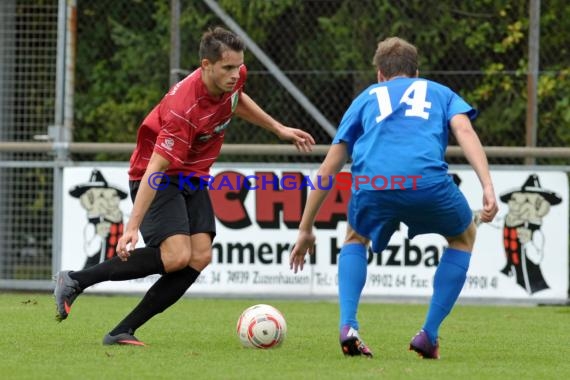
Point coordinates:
[[397, 131]]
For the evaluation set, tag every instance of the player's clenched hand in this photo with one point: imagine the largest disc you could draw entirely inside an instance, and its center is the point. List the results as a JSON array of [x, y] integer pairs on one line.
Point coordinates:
[[490, 207], [305, 244], [127, 243]]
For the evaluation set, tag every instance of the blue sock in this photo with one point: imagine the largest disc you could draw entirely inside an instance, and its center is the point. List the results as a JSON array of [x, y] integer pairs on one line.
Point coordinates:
[[352, 268], [447, 284]]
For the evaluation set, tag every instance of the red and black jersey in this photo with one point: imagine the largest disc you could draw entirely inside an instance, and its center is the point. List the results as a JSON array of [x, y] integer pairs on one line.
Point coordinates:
[[187, 127]]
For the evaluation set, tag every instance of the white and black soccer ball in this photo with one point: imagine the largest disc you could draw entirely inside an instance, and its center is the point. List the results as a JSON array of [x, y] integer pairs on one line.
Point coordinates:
[[261, 326]]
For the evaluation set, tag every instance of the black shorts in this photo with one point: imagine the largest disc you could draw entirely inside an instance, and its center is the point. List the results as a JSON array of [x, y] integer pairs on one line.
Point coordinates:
[[176, 211]]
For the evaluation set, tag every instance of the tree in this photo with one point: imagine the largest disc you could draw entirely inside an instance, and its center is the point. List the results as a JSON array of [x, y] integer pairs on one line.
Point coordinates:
[[479, 49]]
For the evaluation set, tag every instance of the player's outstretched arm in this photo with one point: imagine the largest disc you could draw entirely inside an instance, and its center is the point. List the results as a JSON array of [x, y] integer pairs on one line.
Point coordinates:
[[332, 164], [473, 150], [248, 110]]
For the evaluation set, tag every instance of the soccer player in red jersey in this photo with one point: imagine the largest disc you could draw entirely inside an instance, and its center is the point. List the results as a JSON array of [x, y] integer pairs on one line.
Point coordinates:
[[177, 142]]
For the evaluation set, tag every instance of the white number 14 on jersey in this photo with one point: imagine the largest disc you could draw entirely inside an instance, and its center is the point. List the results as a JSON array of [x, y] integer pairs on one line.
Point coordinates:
[[414, 96]]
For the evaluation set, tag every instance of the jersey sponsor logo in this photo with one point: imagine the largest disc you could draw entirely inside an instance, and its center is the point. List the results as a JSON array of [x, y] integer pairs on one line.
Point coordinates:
[[168, 143], [221, 127], [204, 137], [217, 129]]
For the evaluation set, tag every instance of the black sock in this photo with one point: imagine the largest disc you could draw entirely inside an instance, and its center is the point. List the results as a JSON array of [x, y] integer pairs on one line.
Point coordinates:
[[164, 293], [142, 262]]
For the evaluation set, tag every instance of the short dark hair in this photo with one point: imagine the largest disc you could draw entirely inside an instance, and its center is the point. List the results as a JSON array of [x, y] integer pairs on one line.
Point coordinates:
[[396, 56], [215, 41]]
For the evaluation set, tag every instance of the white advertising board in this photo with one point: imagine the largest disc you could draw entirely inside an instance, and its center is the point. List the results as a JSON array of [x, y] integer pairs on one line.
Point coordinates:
[[523, 254]]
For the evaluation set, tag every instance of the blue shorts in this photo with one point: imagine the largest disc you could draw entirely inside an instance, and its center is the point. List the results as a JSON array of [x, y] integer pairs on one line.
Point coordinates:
[[440, 208]]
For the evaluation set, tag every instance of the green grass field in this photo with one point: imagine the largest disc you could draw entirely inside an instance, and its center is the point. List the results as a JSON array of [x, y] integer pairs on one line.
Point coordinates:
[[196, 339]]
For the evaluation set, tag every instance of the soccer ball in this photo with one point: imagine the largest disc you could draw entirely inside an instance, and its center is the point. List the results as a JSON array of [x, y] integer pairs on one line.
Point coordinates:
[[261, 326]]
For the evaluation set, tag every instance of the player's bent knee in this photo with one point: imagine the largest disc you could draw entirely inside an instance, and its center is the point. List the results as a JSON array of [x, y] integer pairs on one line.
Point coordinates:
[[200, 259], [353, 237], [464, 241], [362, 241], [174, 262]]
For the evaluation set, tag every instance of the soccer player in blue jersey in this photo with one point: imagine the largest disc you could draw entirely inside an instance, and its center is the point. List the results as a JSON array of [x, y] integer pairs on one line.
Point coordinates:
[[398, 129]]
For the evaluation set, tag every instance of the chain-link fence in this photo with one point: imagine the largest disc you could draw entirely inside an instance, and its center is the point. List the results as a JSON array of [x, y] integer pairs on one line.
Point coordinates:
[[28, 55], [125, 61], [480, 49]]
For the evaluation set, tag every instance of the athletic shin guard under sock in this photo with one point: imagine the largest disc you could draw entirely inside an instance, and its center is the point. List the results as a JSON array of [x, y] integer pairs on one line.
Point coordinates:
[[164, 293], [141, 263], [447, 284], [352, 268]]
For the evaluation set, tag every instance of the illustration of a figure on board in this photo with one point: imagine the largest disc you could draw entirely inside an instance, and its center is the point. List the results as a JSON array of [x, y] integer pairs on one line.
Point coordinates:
[[522, 235], [104, 216]]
